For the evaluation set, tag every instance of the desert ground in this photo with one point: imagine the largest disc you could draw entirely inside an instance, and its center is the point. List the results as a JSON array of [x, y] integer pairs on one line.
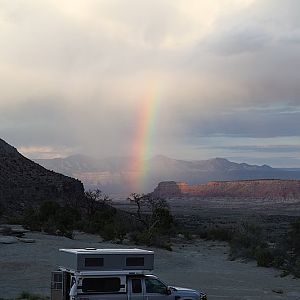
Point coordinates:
[[222, 206], [200, 265]]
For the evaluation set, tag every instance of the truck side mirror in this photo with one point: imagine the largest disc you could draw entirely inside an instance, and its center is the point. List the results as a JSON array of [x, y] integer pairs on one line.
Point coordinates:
[[169, 292]]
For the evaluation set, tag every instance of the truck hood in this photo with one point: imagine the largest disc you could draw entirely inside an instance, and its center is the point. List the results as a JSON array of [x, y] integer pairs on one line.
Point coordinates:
[[181, 289], [184, 292]]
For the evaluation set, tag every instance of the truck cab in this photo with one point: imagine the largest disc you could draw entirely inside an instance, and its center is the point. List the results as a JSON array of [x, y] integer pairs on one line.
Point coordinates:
[[150, 287], [123, 275]]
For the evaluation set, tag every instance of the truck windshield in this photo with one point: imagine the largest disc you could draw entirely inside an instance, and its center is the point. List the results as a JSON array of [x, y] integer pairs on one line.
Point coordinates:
[[101, 285]]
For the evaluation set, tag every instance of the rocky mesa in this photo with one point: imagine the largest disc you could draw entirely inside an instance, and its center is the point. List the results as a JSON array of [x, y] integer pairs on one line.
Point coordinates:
[[24, 183], [263, 188]]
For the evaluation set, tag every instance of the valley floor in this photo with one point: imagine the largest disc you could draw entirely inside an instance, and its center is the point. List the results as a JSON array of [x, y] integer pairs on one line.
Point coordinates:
[[199, 265]]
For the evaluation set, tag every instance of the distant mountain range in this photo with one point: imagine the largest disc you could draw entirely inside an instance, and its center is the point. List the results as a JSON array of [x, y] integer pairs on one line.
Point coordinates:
[[114, 175]]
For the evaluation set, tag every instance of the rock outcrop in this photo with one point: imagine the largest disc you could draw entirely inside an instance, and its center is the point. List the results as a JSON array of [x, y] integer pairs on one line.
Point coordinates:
[[264, 188], [24, 183]]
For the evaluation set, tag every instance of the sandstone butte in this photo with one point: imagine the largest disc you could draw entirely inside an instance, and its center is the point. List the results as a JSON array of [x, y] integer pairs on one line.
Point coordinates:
[[262, 188]]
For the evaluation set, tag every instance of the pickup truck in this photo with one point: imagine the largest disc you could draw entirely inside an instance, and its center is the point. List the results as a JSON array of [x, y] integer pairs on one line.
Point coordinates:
[[129, 287], [112, 274]]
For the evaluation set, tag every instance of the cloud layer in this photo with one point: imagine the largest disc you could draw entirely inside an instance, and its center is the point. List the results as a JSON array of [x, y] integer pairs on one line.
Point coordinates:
[[74, 76]]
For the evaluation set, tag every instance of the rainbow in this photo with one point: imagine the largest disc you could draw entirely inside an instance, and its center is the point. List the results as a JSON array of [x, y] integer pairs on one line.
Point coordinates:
[[143, 142]]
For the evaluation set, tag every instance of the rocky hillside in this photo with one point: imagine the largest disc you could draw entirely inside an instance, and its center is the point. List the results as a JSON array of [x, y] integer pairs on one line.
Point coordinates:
[[265, 189], [24, 183]]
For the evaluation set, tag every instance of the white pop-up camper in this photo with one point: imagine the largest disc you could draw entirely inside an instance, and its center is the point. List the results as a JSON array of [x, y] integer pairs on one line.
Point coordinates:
[[111, 274], [91, 259]]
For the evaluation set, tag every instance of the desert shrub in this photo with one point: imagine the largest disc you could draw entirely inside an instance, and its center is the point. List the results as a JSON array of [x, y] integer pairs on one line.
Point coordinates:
[[163, 218], [120, 232], [151, 239], [50, 225], [161, 241], [31, 219], [48, 209], [280, 255], [52, 218], [1, 209], [96, 216], [187, 235], [294, 238], [94, 200], [153, 219], [93, 215], [58, 220], [14, 220], [263, 256], [245, 240], [112, 231], [216, 234], [296, 269], [293, 249], [103, 222], [108, 232], [250, 241], [141, 237], [103, 216], [67, 218], [30, 296]]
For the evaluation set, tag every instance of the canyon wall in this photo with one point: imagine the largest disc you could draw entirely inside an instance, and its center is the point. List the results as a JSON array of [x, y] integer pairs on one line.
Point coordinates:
[[264, 188]]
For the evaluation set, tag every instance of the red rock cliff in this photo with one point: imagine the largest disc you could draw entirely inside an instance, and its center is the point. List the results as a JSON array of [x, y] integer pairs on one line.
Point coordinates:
[[264, 188]]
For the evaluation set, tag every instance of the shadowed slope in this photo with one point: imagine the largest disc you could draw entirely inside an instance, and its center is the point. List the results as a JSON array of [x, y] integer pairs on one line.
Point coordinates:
[[24, 183]]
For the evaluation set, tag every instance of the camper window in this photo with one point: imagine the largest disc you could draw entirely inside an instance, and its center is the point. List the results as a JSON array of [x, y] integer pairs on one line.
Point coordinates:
[[101, 285], [56, 283], [135, 261], [93, 262]]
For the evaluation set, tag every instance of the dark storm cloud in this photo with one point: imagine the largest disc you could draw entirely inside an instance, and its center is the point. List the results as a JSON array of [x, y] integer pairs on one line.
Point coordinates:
[[37, 122], [249, 123], [267, 148], [55, 123]]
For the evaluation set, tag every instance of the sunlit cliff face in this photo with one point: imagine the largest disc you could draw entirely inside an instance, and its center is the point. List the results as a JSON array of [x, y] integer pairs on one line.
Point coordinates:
[[75, 76]]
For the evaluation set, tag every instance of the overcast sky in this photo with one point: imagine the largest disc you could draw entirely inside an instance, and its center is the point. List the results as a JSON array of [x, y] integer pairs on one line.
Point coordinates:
[[74, 76]]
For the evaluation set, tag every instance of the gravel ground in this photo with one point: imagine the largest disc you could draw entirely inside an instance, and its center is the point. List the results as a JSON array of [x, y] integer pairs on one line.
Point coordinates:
[[201, 265]]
